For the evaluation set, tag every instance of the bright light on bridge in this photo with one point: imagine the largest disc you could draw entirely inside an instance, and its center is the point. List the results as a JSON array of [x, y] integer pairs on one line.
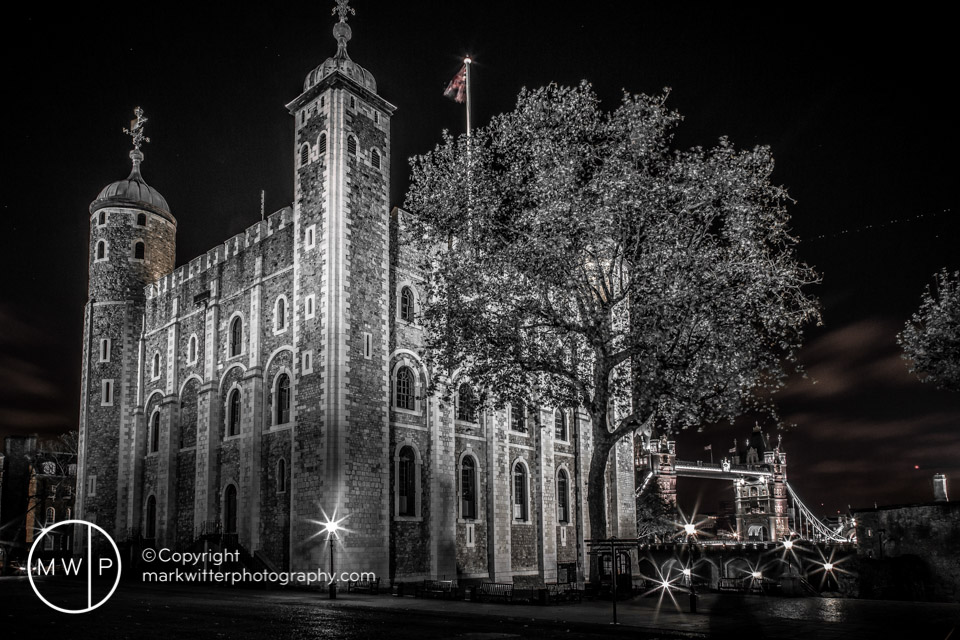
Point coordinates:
[[788, 544], [828, 566], [690, 529], [757, 575], [687, 572]]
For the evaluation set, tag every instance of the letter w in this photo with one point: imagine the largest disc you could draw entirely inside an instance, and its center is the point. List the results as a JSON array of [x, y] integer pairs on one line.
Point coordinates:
[[73, 568]]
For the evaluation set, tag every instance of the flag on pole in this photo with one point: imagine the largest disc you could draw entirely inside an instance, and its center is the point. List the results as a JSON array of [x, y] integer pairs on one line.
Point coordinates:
[[733, 450], [457, 89], [709, 447]]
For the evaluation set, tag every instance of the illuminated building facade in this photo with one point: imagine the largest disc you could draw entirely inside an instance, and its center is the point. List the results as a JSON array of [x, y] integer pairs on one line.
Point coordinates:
[[274, 382]]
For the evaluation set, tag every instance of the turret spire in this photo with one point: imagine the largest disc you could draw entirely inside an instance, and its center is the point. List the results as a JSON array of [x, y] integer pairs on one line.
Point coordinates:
[[341, 30], [136, 133]]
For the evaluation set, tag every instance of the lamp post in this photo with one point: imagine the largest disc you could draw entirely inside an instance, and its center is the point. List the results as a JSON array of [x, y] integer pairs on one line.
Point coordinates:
[[331, 527]]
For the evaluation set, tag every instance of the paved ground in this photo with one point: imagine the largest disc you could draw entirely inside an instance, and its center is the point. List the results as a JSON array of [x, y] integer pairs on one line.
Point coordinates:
[[142, 612]]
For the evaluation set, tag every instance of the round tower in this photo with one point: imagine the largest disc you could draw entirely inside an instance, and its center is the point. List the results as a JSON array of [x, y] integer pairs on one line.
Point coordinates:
[[132, 244]]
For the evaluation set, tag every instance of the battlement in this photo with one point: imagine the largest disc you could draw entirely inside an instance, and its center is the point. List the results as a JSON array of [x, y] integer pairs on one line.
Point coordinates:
[[239, 243]]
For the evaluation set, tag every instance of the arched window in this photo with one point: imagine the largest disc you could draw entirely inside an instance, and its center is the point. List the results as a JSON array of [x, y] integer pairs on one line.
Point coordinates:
[[375, 158], [155, 432], [102, 218], [518, 414], [101, 249], [281, 476], [236, 337], [468, 489], [351, 145], [519, 492], [51, 516], [150, 519], [280, 317], [283, 399], [406, 304], [192, 351], [304, 155], [560, 424], [233, 413], [563, 497], [156, 365], [230, 509], [405, 389], [322, 144], [138, 249], [466, 403], [141, 219], [407, 483]]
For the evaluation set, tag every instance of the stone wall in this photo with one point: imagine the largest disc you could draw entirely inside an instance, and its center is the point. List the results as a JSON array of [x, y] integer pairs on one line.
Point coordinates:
[[910, 552]]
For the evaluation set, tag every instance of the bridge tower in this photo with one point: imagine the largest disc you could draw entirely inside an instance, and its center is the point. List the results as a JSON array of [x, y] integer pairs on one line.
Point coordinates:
[[761, 499], [663, 463]]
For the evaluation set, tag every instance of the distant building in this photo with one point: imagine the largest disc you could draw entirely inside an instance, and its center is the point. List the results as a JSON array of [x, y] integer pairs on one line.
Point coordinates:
[[37, 489]]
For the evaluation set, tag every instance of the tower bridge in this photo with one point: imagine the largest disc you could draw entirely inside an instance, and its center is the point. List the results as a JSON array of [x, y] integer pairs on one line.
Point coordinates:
[[766, 507], [777, 544]]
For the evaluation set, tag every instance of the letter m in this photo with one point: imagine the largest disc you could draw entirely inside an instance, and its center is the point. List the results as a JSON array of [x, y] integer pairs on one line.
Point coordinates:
[[46, 570]]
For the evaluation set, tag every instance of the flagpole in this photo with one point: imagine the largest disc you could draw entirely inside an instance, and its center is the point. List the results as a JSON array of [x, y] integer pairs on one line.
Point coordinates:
[[466, 63]]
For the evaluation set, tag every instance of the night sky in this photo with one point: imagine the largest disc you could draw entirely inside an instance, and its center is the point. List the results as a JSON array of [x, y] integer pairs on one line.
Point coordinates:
[[854, 106]]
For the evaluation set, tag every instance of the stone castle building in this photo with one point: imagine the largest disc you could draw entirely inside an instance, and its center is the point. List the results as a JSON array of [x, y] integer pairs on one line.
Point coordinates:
[[274, 382]]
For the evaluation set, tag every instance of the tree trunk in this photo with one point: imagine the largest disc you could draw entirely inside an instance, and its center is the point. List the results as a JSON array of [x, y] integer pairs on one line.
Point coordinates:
[[596, 483]]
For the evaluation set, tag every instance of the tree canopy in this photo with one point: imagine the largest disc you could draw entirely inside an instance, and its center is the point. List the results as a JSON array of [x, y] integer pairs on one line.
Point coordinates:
[[931, 337], [576, 259]]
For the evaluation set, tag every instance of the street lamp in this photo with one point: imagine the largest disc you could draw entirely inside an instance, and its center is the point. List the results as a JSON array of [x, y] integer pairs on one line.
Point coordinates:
[[331, 527]]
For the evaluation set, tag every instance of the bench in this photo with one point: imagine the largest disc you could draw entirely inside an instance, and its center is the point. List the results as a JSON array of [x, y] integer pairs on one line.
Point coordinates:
[[501, 591], [446, 589], [364, 586]]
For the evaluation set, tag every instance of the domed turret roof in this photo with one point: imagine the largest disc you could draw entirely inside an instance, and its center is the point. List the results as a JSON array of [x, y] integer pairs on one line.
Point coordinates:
[[133, 192], [341, 62]]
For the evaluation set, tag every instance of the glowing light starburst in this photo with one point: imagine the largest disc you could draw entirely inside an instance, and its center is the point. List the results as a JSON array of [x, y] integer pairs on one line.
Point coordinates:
[[690, 527], [330, 525], [830, 568]]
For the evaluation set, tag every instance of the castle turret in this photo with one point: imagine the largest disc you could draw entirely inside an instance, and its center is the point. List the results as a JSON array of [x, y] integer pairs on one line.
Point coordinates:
[[132, 243], [341, 262]]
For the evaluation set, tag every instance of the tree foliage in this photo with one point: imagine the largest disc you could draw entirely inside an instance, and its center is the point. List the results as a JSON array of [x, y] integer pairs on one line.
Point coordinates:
[[931, 337], [655, 517], [576, 259]]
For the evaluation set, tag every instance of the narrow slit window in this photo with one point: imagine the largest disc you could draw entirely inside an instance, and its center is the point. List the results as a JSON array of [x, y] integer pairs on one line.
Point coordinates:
[[283, 399], [236, 337], [233, 415]]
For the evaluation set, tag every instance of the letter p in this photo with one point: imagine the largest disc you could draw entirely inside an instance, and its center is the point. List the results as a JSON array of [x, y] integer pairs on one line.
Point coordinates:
[[105, 563]]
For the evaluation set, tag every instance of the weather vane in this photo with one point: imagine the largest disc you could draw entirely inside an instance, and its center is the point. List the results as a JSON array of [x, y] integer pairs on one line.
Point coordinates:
[[343, 8], [136, 129]]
